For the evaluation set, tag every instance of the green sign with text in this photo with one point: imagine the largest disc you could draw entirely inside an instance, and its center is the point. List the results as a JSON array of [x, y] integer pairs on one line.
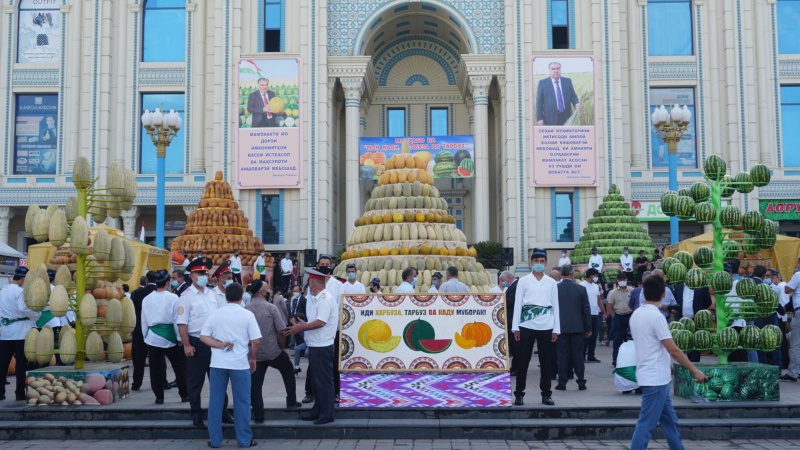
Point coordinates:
[[780, 209]]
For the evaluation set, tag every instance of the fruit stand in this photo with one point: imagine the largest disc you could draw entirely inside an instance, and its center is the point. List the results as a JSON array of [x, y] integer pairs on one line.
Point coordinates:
[[734, 233]]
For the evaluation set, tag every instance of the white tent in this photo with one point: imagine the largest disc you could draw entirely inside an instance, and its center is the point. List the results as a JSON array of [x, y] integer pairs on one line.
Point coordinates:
[[5, 250]]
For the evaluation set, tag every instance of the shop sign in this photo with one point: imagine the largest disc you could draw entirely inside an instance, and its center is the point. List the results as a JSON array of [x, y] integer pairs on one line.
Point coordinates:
[[649, 211], [780, 209]]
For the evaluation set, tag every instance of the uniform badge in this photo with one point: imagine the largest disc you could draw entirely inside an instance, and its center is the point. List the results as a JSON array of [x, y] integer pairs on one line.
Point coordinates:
[[180, 310]]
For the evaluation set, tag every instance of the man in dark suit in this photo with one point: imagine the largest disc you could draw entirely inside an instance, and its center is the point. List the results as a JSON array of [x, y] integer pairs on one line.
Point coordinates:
[[555, 97], [700, 299], [509, 281], [258, 106], [138, 347], [576, 326]]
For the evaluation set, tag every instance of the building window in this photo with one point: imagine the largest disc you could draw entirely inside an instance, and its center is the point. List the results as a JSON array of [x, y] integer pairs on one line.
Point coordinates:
[[164, 31], [35, 134], [396, 122], [790, 132], [272, 25], [559, 23], [669, 27], [564, 228], [687, 147], [272, 213], [175, 151], [788, 29], [39, 33], [439, 121]]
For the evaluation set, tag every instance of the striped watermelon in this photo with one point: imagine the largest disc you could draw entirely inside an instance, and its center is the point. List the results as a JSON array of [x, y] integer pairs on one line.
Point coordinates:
[[752, 222], [677, 273], [728, 188], [685, 258], [705, 212], [703, 340], [675, 326], [751, 245], [763, 293], [696, 279], [714, 168], [688, 324], [684, 339], [700, 192], [685, 208], [667, 263], [771, 337], [721, 283], [669, 202], [704, 320], [727, 338], [743, 183], [759, 175], [730, 217], [726, 392], [703, 256], [731, 249], [750, 337], [746, 288]]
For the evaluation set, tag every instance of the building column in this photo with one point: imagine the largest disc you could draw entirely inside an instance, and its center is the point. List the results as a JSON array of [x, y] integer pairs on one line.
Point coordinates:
[[479, 86], [353, 88], [129, 222], [6, 214]]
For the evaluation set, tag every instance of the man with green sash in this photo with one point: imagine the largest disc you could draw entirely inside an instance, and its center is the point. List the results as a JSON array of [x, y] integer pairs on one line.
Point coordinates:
[[260, 266], [159, 317], [15, 321]]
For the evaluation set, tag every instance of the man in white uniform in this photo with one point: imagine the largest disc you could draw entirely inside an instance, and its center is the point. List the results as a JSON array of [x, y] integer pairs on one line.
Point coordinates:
[[409, 281], [351, 286], [15, 321], [595, 306], [453, 284], [596, 262], [564, 260], [436, 281], [224, 277], [626, 263], [536, 320], [236, 266], [286, 272], [259, 266]]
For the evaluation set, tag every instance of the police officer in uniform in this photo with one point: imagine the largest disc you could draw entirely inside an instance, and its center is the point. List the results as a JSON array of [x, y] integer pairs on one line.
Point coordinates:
[[195, 306], [224, 278], [15, 321]]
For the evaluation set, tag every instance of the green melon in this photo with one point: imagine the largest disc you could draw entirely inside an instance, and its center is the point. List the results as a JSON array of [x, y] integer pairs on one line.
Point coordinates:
[[743, 183], [714, 168], [759, 175], [685, 258], [667, 263], [696, 279], [703, 340], [731, 249], [685, 208], [674, 326], [721, 283], [677, 273], [684, 193], [705, 212], [763, 293], [771, 337], [750, 337], [730, 217], [700, 192], [727, 338], [669, 203], [684, 339], [703, 256], [704, 320], [752, 222], [728, 188], [746, 288], [688, 324]]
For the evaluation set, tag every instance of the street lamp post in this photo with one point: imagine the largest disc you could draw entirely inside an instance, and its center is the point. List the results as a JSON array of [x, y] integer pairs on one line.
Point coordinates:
[[671, 125], [161, 128]]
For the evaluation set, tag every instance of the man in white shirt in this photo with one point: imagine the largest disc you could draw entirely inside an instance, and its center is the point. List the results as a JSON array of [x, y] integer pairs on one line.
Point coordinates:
[[626, 263], [564, 260], [452, 284], [783, 300], [436, 281], [224, 278], [792, 289], [320, 333], [159, 314], [236, 266], [15, 321], [351, 286], [409, 281], [596, 262], [536, 319], [654, 347], [669, 301], [286, 272], [233, 335], [260, 266], [595, 306]]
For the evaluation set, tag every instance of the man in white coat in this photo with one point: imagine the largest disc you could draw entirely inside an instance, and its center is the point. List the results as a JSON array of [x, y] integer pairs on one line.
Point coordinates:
[[15, 321]]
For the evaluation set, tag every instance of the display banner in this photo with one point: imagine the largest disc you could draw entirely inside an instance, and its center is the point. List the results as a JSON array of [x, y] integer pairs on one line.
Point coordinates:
[[424, 333], [35, 134], [269, 139], [444, 156], [687, 146], [562, 114], [780, 209], [39, 32]]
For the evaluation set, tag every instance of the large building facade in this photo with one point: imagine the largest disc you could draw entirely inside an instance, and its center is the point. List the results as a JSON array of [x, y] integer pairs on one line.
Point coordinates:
[[75, 76]]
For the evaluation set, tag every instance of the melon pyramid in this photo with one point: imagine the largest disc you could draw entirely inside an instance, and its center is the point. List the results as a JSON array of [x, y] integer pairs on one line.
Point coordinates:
[[218, 226], [406, 224]]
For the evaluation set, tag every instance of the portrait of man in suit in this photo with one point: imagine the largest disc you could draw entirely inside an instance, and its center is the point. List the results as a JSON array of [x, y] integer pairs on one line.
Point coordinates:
[[555, 97], [258, 106]]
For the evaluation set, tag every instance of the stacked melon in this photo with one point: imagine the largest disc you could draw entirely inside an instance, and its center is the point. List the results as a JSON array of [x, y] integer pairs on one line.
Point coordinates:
[[218, 227], [406, 224], [613, 227]]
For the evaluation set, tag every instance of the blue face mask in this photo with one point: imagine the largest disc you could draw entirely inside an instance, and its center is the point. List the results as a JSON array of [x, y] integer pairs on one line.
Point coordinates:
[[414, 281], [228, 283], [435, 283], [768, 281], [505, 284], [174, 283], [538, 268], [351, 275], [202, 280]]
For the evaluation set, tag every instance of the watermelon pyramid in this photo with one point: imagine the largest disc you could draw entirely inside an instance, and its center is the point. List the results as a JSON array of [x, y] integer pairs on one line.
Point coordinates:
[[218, 226], [406, 224], [613, 227]]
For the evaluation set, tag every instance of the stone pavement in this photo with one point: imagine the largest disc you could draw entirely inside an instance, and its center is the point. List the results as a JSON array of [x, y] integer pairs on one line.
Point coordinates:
[[417, 444]]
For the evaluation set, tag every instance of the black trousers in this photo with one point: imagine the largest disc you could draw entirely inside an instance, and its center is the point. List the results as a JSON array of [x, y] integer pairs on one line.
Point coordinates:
[[570, 353], [286, 368], [321, 361], [17, 349], [621, 324], [237, 278], [591, 342], [286, 282], [336, 377], [158, 369], [513, 346], [545, 346], [139, 356], [197, 369]]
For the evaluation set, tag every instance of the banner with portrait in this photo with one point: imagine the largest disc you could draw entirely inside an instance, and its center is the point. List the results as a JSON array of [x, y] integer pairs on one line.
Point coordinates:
[[563, 133], [269, 136], [687, 146], [36, 134], [39, 32]]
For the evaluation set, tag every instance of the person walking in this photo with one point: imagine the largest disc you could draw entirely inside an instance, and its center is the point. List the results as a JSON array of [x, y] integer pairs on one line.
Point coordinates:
[[575, 317], [233, 336], [15, 321], [236, 266], [320, 331], [271, 350], [159, 314], [452, 284], [138, 346], [654, 347], [595, 306], [536, 320]]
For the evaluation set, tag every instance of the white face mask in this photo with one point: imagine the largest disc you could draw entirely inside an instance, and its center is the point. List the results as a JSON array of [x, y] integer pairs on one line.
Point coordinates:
[[623, 283]]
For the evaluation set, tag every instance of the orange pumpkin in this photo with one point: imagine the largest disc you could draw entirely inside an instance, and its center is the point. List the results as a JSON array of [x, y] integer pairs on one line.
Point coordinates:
[[102, 307], [127, 350], [479, 332]]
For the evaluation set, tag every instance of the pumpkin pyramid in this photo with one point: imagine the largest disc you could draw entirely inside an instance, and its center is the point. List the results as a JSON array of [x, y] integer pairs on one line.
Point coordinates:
[[613, 227], [218, 227], [406, 224]]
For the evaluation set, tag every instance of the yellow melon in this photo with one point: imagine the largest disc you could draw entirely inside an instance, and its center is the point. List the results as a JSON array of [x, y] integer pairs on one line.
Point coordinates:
[[67, 346], [390, 164], [410, 162], [88, 310], [402, 176], [38, 294], [393, 177], [59, 301], [397, 217], [44, 346], [94, 347], [30, 344], [115, 348], [384, 252], [412, 176], [401, 161]]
